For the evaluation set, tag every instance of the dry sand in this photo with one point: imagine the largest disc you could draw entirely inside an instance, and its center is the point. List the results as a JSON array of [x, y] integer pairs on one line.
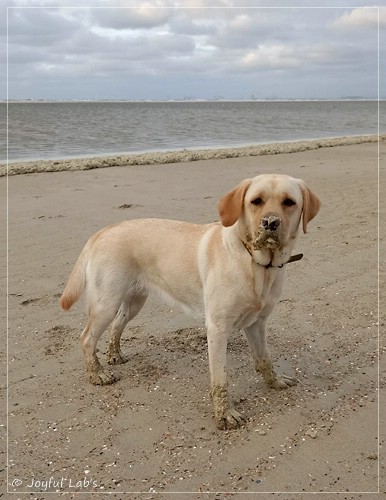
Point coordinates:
[[153, 431]]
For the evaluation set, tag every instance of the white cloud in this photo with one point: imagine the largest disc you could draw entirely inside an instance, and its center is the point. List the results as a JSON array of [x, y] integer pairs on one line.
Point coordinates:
[[366, 17], [242, 23], [272, 57], [202, 4]]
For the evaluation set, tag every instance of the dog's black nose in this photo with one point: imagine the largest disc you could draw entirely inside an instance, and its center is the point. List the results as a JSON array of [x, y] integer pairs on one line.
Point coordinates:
[[270, 222]]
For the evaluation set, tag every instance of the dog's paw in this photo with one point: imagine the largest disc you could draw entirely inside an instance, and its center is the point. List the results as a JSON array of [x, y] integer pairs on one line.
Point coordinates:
[[102, 378], [272, 378], [225, 415], [231, 419], [116, 358], [283, 382]]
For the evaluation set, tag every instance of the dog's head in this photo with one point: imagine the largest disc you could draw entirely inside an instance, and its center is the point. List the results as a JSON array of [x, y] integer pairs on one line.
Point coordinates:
[[270, 208]]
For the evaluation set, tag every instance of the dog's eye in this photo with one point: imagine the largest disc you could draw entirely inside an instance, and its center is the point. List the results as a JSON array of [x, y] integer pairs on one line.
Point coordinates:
[[288, 202], [257, 202]]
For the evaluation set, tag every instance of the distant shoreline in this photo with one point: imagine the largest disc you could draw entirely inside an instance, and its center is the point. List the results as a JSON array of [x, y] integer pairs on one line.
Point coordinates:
[[164, 157], [129, 101]]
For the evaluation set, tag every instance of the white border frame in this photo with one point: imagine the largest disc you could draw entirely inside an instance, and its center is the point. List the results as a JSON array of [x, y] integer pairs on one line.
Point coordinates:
[[34, 492]]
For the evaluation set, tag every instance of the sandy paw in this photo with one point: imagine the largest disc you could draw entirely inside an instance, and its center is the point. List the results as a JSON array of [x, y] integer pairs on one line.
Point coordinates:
[[226, 416], [272, 379], [232, 419], [116, 358], [283, 382], [102, 378]]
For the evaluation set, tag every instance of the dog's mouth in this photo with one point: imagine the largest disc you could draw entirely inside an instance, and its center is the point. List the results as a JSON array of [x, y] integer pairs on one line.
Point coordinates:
[[266, 239]]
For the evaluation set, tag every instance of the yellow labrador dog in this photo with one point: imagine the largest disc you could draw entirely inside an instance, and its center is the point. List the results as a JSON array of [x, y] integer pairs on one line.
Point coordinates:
[[232, 271]]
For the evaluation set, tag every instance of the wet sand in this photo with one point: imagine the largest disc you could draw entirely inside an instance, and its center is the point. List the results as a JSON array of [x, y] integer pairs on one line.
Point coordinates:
[[153, 430]]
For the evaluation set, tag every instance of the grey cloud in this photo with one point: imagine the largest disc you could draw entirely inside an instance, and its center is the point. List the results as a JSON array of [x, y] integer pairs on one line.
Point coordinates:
[[123, 18], [39, 27], [217, 51], [181, 23]]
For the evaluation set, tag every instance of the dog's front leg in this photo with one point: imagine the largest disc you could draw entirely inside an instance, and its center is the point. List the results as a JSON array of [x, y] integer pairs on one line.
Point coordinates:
[[263, 364], [225, 415]]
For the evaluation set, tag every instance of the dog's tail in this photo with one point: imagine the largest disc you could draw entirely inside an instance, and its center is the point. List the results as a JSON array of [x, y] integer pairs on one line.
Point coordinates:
[[77, 280]]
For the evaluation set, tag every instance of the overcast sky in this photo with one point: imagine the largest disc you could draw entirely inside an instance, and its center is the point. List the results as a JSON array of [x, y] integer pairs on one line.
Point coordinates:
[[166, 49]]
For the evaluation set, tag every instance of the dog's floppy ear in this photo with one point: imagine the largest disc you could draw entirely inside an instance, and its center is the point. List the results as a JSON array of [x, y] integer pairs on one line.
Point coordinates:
[[311, 205], [230, 206]]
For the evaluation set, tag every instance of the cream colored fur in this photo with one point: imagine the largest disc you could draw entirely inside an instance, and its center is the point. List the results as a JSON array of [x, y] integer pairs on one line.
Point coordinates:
[[216, 270]]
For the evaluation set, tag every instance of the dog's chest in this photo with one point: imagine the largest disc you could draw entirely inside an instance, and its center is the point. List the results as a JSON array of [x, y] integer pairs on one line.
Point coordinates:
[[268, 284], [263, 296]]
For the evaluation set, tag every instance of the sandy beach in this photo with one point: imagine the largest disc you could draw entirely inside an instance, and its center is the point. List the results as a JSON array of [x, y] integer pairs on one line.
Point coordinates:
[[153, 431]]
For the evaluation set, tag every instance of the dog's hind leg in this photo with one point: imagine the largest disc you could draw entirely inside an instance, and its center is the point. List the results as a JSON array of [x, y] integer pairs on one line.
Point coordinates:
[[99, 319], [128, 309]]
